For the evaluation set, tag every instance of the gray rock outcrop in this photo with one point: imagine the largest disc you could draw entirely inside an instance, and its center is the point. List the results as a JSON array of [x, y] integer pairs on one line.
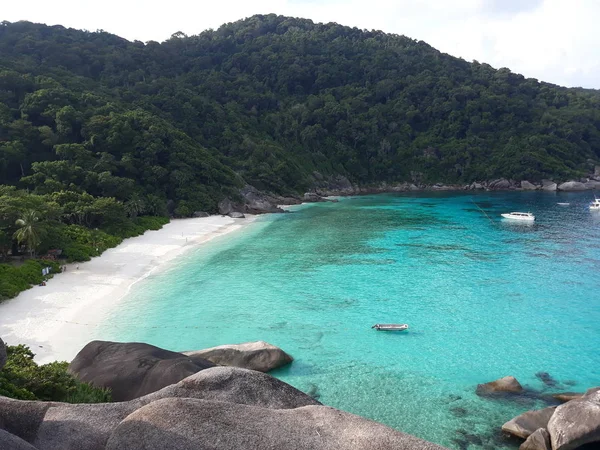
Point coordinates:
[[225, 206], [506, 384], [548, 185], [500, 184], [255, 202], [2, 354], [527, 186], [538, 440], [236, 215], [200, 214], [50, 426], [131, 370], [11, 442], [258, 355], [184, 424], [576, 422], [572, 186], [527, 423], [592, 184]]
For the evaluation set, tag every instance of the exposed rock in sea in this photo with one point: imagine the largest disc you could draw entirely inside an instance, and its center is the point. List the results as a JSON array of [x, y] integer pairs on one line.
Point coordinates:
[[200, 214], [538, 440], [312, 197], [525, 424], [576, 422], [572, 186], [131, 370], [236, 215], [548, 185], [476, 186], [527, 186], [11, 442], [2, 354], [183, 424], [506, 384], [50, 425], [567, 396], [258, 355]]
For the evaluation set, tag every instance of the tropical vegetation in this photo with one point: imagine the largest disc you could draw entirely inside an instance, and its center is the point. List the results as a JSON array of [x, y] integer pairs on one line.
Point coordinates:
[[102, 138], [22, 378]]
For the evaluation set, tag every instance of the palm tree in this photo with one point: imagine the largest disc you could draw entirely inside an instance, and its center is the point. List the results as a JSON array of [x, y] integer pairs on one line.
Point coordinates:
[[30, 230], [134, 206]]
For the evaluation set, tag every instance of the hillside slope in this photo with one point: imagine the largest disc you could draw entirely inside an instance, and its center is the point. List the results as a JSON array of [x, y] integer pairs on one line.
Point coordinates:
[[268, 101]]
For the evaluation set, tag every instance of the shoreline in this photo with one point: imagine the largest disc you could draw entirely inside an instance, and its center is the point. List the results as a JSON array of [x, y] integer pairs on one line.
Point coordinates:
[[58, 319]]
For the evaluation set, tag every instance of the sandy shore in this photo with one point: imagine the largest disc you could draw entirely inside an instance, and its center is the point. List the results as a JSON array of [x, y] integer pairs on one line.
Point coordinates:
[[58, 319]]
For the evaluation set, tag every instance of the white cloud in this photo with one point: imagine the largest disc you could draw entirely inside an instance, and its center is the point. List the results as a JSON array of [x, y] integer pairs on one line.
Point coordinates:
[[552, 40]]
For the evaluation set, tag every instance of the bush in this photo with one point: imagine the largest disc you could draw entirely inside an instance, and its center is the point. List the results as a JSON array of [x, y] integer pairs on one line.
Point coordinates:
[[22, 378], [15, 279]]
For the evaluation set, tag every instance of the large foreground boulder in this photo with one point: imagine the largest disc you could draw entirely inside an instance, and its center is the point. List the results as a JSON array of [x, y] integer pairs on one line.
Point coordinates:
[[527, 423], [2, 354], [11, 442], [131, 370], [538, 440], [182, 424], [258, 355], [506, 384], [50, 426], [576, 422]]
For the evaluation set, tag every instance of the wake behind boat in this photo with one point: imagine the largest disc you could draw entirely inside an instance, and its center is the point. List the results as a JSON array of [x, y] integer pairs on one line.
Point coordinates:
[[528, 217], [595, 205], [390, 326]]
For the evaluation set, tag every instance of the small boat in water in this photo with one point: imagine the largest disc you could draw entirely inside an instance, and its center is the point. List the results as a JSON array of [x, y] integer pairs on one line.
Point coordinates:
[[595, 205], [390, 326], [563, 204], [528, 217]]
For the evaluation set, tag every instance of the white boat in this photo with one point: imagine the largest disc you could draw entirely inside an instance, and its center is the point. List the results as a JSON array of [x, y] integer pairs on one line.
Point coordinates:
[[595, 205], [390, 326], [528, 217], [563, 204]]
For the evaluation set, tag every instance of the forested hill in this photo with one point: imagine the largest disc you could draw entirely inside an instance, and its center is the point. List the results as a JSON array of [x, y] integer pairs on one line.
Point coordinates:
[[269, 101]]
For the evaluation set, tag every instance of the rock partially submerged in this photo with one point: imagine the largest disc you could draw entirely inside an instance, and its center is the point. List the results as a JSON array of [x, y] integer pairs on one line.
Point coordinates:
[[576, 422], [183, 424], [131, 370], [258, 355], [538, 440], [506, 384], [564, 397], [527, 423], [548, 185]]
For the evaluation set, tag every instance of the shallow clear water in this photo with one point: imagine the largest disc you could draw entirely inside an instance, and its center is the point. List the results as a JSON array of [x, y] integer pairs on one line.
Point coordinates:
[[484, 298]]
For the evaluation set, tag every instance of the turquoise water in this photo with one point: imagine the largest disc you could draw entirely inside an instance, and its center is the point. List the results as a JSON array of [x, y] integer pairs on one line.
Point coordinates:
[[484, 298]]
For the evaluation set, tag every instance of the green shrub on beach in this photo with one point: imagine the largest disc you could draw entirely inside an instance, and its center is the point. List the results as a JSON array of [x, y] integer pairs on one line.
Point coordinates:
[[22, 378], [14, 279]]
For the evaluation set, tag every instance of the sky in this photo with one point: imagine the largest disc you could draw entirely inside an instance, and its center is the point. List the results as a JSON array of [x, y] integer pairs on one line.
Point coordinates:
[[552, 40]]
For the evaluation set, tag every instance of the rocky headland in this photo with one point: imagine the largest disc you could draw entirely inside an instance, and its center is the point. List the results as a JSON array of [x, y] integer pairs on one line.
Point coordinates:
[[253, 201]]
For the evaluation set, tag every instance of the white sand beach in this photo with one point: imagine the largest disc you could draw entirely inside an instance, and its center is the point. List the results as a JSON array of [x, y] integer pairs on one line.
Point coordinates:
[[58, 319]]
